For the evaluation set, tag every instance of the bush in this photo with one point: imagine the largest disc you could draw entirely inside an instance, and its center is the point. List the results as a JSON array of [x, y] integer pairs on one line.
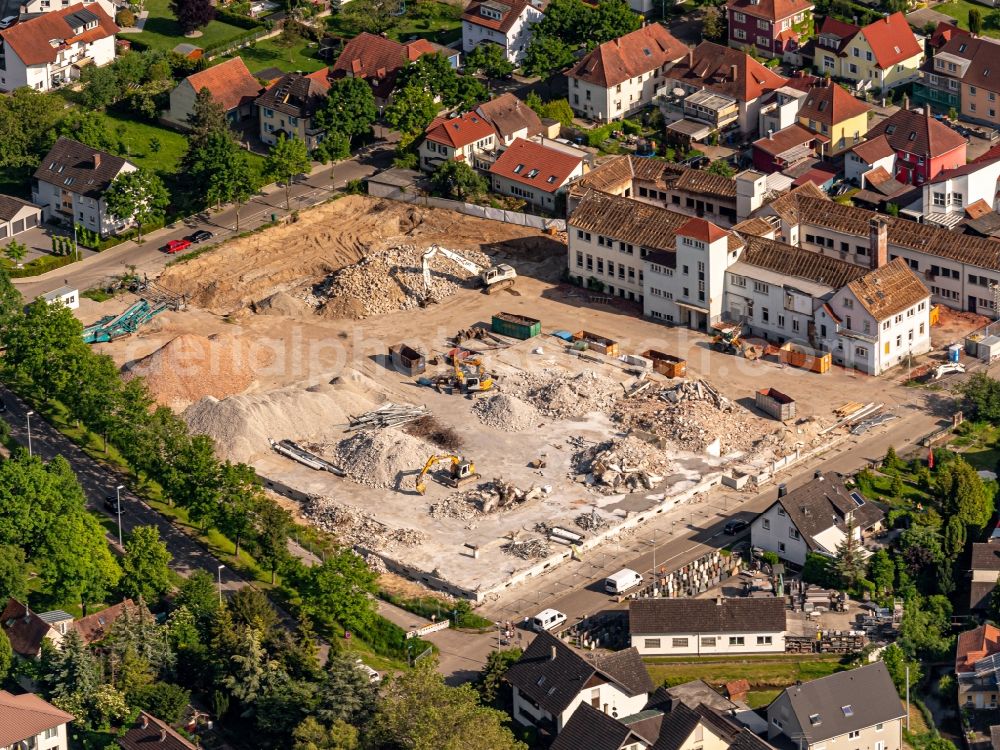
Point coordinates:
[[41, 265], [125, 18], [771, 558]]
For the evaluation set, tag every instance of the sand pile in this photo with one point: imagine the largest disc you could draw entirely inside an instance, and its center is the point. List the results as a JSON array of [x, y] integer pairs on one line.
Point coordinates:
[[189, 367], [241, 425], [380, 458], [506, 412], [281, 303], [565, 396]]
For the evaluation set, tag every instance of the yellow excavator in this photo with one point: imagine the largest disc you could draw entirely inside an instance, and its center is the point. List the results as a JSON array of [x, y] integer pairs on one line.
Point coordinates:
[[462, 471], [470, 374]]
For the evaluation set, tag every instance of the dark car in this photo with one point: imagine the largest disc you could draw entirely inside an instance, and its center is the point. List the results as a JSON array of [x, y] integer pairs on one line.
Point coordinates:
[[201, 236], [3, 406], [735, 527], [111, 504]]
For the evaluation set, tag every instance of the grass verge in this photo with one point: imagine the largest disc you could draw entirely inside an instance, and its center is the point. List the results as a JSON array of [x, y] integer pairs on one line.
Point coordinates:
[[164, 33]]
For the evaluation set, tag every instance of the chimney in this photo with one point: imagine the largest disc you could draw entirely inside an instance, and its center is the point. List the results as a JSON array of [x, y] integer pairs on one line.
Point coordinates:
[[690, 57], [878, 241], [163, 735], [732, 71], [770, 134], [718, 601], [782, 490], [818, 474], [97, 161], [144, 720], [552, 654], [906, 102]]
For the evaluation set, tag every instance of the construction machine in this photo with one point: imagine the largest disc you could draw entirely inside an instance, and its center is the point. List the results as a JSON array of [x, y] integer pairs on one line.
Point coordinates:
[[461, 471], [728, 337], [493, 279]]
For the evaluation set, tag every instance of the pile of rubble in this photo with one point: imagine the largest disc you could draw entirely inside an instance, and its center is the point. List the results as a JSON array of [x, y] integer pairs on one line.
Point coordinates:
[[527, 549], [592, 521], [375, 564], [506, 412], [622, 465], [385, 281], [565, 396], [383, 458], [356, 528], [488, 497]]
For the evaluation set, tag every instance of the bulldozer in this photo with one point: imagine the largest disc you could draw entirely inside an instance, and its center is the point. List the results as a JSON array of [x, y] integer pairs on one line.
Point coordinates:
[[728, 338], [461, 471]]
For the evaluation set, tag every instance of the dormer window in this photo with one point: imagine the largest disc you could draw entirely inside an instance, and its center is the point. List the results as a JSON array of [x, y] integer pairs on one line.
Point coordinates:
[[532, 174], [518, 169]]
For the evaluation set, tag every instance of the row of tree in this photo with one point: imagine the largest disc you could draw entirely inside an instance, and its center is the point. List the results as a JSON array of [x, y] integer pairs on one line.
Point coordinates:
[[572, 25]]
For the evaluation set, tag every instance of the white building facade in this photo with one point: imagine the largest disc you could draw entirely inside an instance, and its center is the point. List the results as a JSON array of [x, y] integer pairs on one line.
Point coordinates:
[[506, 24]]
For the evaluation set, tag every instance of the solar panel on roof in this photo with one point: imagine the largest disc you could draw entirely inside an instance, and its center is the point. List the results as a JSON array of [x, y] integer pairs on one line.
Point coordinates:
[[858, 500]]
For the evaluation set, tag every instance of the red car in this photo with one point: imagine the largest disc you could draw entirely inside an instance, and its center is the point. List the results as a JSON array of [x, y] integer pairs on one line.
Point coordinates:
[[176, 246]]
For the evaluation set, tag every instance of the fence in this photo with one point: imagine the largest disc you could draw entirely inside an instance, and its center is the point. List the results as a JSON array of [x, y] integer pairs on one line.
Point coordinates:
[[469, 209]]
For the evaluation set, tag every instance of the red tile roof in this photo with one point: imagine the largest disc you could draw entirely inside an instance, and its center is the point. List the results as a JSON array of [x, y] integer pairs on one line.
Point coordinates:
[[918, 133], [510, 11], [891, 40], [784, 139], [229, 83], [551, 168], [628, 56], [773, 10], [22, 717], [96, 627], [370, 56], [711, 65], [24, 628], [873, 149], [815, 175], [830, 103], [945, 32], [459, 132], [30, 39], [703, 230], [974, 645]]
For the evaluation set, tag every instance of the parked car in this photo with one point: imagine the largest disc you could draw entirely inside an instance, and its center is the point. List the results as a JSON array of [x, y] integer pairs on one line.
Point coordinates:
[[111, 503], [547, 619], [735, 527], [373, 676], [201, 235], [6, 23], [176, 246]]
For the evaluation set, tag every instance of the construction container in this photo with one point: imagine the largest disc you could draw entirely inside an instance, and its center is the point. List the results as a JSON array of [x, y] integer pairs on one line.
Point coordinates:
[[988, 349], [516, 326], [407, 360], [597, 343], [775, 404], [804, 358], [666, 364]]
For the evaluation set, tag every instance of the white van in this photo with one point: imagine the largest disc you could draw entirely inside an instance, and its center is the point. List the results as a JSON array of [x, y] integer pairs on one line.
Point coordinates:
[[548, 619], [622, 581]]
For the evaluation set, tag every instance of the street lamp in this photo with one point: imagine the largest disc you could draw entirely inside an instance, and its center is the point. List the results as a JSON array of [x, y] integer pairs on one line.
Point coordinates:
[[28, 415], [220, 584], [118, 495]]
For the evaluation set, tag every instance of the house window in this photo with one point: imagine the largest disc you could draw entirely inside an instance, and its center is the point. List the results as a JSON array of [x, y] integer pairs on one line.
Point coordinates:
[[736, 640], [651, 643], [739, 34], [793, 533], [764, 640], [739, 17], [781, 546], [679, 642], [708, 641], [879, 727], [861, 352], [854, 735], [764, 314], [760, 287], [766, 523], [781, 321]]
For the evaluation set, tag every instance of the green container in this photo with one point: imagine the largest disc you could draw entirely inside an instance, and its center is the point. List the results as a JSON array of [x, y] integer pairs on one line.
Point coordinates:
[[516, 326]]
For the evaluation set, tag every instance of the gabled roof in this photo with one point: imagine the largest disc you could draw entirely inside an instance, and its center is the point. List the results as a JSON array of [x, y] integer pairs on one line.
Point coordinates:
[[618, 172], [10, 206], [873, 149], [711, 65], [508, 115], [787, 205], [891, 40], [150, 732], [296, 95], [984, 68], [974, 645], [787, 138], [509, 11], [794, 263], [592, 729], [638, 52], [96, 627], [24, 628], [702, 230], [986, 556], [669, 616], [39, 40], [377, 59], [461, 131], [229, 83], [830, 103], [845, 702], [945, 32], [773, 10], [917, 133], [889, 290], [72, 166], [627, 220], [22, 717], [530, 163]]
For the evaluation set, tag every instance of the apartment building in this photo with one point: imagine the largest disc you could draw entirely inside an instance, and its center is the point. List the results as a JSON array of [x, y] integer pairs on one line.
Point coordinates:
[[923, 145], [460, 137], [882, 55], [27, 721], [288, 107], [954, 193], [506, 24], [773, 28], [981, 84], [829, 110], [940, 82]]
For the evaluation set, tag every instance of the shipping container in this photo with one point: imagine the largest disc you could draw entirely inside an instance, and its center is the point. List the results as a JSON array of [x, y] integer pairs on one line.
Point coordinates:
[[516, 326], [804, 358], [666, 364], [597, 343], [775, 403], [407, 360]]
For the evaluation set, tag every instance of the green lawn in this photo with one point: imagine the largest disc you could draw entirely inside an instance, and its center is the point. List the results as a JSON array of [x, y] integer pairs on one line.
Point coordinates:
[[438, 21], [269, 53], [138, 135], [765, 673], [959, 9], [162, 32]]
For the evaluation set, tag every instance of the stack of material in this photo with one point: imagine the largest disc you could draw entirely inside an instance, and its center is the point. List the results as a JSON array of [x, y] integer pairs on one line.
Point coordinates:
[[356, 528], [592, 521], [623, 465], [489, 497], [506, 412], [385, 281], [380, 458], [388, 415], [527, 549], [565, 396]]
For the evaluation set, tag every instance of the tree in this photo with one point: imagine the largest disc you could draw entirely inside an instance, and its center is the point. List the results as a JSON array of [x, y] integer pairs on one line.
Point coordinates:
[[896, 662], [490, 680], [955, 537], [192, 14], [199, 596], [137, 196], [11, 302], [338, 590], [610, 19], [850, 560], [711, 24], [722, 168], [207, 118], [333, 148], [103, 87], [6, 655], [490, 60], [882, 572], [42, 346], [975, 21], [546, 54], [349, 108], [13, 574], [311, 735], [248, 668], [346, 693], [419, 711], [457, 180], [920, 548], [15, 251], [72, 669], [818, 569], [554, 109], [196, 480], [891, 463], [249, 607], [469, 93], [924, 632], [376, 16], [411, 110], [28, 120], [287, 158], [240, 494], [960, 491], [164, 700], [272, 526], [146, 565]]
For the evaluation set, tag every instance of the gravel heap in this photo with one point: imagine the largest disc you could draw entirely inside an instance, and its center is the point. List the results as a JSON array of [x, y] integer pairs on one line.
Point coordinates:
[[506, 412], [463, 505], [623, 464], [380, 458], [356, 528], [565, 396]]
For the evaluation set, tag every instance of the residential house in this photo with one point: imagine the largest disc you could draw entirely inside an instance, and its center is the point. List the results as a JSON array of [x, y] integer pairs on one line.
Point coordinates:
[[773, 28], [985, 573], [882, 55], [26, 630], [776, 152], [288, 107], [231, 85], [940, 82], [506, 24], [874, 153], [456, 137], [95, 627], [981, 84], [511, 119], [859, 708], [829, 110], [620, 77], [70, 183], [27, 721], [536, 172], [17, 215], [977, 657], [924, 146], [551, 680], [378, 60], [149, 731], [728, 73], [50, 50], [780, 108], [698, 627], [36, 7], [813, 518], [948, 197]]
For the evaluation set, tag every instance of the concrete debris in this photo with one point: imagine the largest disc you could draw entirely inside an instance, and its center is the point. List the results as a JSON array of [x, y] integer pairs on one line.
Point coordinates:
[[592, 521], [376, 564], [386, 458], [527, 549], [623, 465], [506, 412], [565, 396], [388, 415], [488, 497], [356, 528]]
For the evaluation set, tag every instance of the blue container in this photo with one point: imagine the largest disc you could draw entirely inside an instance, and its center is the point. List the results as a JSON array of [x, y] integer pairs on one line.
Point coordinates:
[[953, 352]]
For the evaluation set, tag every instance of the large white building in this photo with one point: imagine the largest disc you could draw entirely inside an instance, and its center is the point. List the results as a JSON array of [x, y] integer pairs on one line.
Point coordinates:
[[506, 24], [28, 721], [50, 50], [34, 7]]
